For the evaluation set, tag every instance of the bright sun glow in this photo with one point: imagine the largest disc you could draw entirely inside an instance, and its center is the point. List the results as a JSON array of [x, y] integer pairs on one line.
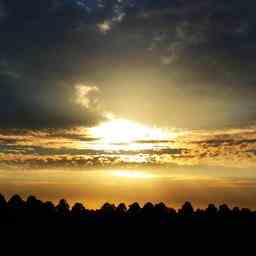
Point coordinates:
[[125, 131]]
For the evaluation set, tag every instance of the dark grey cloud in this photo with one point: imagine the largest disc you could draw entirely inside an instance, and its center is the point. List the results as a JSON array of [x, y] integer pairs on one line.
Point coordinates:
[[13, 146], [36, 104], [205, 48]]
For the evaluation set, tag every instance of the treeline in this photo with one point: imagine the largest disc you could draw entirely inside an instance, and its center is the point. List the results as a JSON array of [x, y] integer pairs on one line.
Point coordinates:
[[34, 212]]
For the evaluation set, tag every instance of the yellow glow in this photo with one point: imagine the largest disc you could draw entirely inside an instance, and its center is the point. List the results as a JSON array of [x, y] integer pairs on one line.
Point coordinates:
[[132, 174], [125, 131]]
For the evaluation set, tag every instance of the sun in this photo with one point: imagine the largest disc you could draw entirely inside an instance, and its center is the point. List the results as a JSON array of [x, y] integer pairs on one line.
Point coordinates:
[[126, 131]]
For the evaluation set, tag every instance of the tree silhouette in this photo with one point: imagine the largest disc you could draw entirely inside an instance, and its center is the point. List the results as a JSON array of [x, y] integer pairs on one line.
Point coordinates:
[[3, 202], [121, 209], [63, 208], [16, 202], [37, 214], [211, 211], [224, 210], [134, 209], [78, 210], [187, 209]]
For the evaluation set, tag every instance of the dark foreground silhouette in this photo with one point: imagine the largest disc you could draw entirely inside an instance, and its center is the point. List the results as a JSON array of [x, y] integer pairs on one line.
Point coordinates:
[[33, 212], [33, 223]]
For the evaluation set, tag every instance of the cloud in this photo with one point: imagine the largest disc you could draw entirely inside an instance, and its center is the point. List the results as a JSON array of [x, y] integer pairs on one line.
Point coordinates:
[[2, 11], [75, 147], [40, 105], [86, 95], [195, 52], [104, 27]]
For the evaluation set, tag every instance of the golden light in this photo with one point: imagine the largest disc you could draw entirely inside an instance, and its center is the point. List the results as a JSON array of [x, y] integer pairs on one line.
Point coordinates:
[[125, 131], [132, 175]]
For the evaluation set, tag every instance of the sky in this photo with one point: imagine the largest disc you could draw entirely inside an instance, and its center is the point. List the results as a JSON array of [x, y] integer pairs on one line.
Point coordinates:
[[131, 84]]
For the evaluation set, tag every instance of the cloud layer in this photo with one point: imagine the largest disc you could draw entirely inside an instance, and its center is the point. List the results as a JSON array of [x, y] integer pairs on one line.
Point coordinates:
[[77, 148]]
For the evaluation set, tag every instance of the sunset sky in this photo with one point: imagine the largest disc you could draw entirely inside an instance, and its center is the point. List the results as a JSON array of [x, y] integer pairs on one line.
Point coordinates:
[[129, 100]]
